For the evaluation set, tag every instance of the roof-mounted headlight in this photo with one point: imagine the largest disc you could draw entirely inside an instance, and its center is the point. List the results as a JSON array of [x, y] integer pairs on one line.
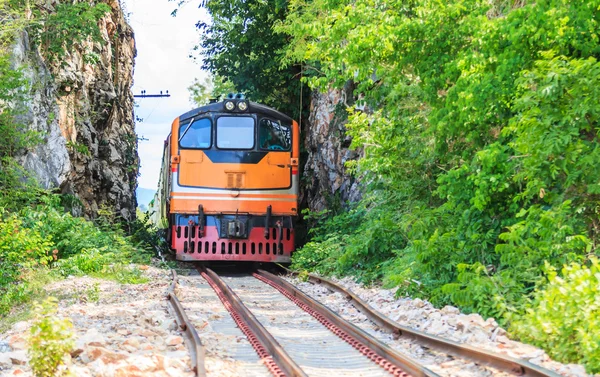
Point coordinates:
[[243, 105], [229, 105]]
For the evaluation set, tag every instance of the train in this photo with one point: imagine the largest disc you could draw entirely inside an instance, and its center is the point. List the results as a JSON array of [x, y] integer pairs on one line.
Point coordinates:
[[228, 186]]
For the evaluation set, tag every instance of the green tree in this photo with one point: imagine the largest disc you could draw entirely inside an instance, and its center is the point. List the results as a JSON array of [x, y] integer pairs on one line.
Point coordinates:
[[66, 27], [480, 142], [240, 46], [201, 92]]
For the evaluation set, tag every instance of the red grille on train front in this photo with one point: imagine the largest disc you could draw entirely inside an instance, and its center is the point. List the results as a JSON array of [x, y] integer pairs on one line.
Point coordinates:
[[273, 248]]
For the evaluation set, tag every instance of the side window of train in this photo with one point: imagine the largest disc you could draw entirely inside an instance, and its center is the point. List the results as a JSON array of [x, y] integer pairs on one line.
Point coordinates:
[[235, 132], [196, 135], [274, 136]]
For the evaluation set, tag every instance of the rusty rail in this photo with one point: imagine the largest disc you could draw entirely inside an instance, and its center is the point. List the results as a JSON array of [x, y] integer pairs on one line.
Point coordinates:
[[491, 359], [269, 350], [194, 344], [396, 363]]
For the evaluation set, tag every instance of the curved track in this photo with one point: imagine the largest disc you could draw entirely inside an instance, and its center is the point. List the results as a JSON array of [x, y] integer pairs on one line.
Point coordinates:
[[294, 335], [500, 362], [193, 340]]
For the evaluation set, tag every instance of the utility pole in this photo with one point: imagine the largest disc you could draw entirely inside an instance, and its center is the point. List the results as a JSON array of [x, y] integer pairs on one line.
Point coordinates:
[[144, 95]]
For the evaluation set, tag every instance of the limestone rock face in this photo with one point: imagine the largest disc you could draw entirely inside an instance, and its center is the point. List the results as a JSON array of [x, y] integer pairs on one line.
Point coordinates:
[[83, 106], [326, 183]]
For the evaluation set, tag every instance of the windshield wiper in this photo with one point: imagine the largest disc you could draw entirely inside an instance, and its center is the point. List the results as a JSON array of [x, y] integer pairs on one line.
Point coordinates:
[[186, 130]]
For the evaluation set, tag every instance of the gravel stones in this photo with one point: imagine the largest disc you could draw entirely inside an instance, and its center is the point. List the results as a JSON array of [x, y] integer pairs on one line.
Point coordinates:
[[447, 322], [4, 347], [227, 350], [127, 332]]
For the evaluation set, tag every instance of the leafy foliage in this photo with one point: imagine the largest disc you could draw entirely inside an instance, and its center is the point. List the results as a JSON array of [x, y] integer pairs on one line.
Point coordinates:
[[36, 234], [480, 142], [50, 340], [43, 234], [211, 88], [67, 26], [564, 316], [240, 46]]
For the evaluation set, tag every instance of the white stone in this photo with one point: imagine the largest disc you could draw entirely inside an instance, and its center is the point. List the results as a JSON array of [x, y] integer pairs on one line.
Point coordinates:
[[5, 361], [17, 357], [91, 338]]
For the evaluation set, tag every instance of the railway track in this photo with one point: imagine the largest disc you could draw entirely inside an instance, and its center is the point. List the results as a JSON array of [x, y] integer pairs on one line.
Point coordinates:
[[192, 339], [294, 335]]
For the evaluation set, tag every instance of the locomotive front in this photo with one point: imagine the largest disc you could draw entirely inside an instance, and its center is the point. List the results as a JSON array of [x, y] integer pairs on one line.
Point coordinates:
[[229, 185]]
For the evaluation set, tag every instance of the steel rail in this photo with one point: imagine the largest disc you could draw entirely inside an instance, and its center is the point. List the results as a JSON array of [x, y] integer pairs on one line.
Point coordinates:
[[405, 363], [479, 356], [194, 344], [275, 357]]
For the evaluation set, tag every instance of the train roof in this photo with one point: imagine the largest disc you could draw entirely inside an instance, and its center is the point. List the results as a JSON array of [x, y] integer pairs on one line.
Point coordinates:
[[219, 107]]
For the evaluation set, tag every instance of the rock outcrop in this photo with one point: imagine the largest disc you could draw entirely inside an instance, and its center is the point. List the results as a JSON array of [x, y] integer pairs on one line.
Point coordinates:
[[326, 182], [84, 109]]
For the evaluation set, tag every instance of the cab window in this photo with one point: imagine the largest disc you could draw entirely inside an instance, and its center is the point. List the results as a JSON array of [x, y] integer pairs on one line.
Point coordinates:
[[274, 136], [235, 132], [197, 135]]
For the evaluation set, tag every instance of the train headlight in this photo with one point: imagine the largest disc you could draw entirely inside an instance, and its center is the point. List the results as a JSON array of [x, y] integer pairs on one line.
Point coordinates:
[[243, 105], [229, 105]]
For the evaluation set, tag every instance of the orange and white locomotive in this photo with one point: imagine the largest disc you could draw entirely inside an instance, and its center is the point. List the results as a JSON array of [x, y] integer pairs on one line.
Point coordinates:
[[228, 189]]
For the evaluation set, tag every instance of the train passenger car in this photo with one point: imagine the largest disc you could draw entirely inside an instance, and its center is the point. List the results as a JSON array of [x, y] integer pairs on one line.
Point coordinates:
[[228, 189]]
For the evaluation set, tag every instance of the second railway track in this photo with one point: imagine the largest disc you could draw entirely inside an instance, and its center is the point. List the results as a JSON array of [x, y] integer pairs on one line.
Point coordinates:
[[294, 335]]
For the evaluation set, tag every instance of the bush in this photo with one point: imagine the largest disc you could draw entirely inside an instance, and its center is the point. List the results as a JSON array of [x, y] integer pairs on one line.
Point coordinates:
[[479, 143], [346, 243], [50, 340], [21, 249], [563, 318], [42, 234], [99, 263]]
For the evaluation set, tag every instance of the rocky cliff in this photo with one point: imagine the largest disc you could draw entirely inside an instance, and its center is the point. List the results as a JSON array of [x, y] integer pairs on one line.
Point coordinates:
[[326, 183], [84, 109]]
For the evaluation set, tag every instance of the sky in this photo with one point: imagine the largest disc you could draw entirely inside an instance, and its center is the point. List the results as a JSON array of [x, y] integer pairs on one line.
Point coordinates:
[[164, 44]]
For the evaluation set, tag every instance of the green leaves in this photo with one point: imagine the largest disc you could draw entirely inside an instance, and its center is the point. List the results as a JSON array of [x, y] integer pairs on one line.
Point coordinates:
[[557, 124], [240, 45], [50, 340], [564, 316], [68, 26], [43, 235], [481, 147]]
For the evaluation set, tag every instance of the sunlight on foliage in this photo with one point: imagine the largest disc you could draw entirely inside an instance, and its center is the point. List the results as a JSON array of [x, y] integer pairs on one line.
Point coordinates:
[[201, 92], [50, 341], [564, 316], [480, 143]]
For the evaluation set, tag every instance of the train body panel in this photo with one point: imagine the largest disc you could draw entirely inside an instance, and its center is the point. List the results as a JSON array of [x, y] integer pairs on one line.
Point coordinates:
[[187, 199], [231, 189]]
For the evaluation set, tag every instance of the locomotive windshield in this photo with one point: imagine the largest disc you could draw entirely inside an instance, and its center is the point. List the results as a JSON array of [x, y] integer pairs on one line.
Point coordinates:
[[274, 136], [235, 132], [196, 135]]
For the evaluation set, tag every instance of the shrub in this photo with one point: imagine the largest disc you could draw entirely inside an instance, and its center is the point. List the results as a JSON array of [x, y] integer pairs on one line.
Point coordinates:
[[479, 143], [99, 263], [50, 340], [563, 318], [21, 249], [74, 235], [41, 232]]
